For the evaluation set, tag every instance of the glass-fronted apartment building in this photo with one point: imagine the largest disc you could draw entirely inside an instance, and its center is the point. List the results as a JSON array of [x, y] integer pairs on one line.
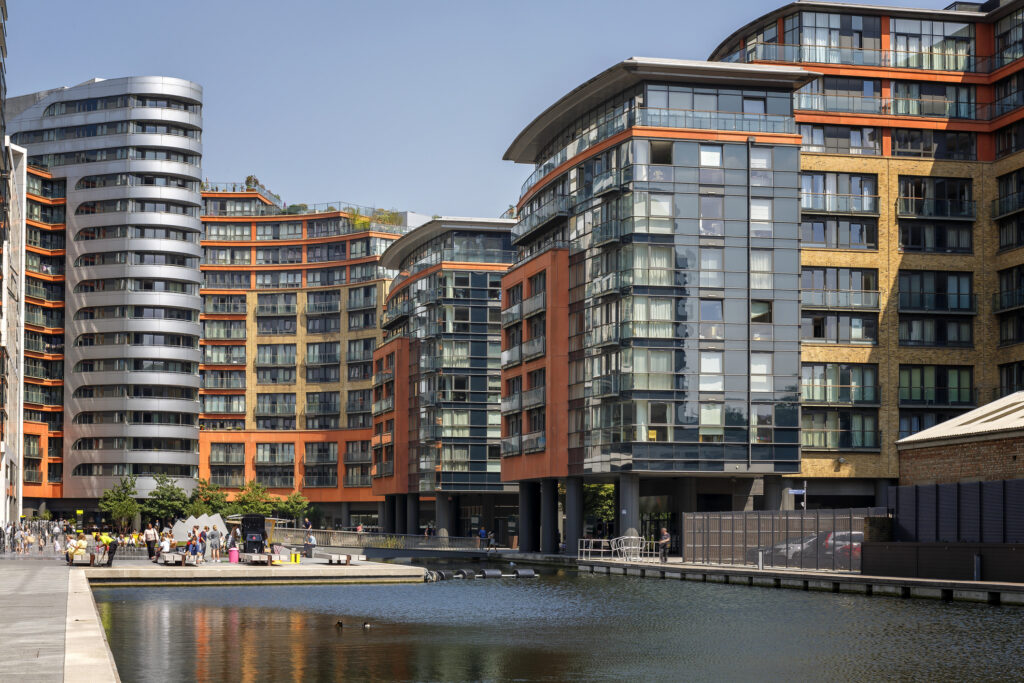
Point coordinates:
[[292, 300], [853, 283], [123, 163], [436, 409]]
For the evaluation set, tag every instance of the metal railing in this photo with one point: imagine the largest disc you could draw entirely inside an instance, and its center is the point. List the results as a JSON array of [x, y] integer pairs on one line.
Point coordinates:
[[1006, 205], [285, 409], [935, 208], [839, 298], [797, 539], [824, 392], [323, 408], [357, 457], [320, 481], [533, 347], [942, 302], [620, 549], [512, 314], [511, 403], [840, 439], [329, 538], [533, 397], [938, 396], [233, 308], [857, 56], [228, 481], [1004, 301], [320, 307], [553, 208], [276, 309], [511, 445], [535, 304], [384, 405], [839, 203], [356, 480], [511, 356]]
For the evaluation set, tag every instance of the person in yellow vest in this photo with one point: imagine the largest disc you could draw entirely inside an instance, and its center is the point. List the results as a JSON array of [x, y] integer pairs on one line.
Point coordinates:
[[110, 543]]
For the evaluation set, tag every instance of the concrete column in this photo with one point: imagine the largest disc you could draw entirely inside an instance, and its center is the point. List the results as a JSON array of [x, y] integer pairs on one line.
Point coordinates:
[[454, 516], [389, 514], [412, 513], [400, 512], [549, 516], [529, 517], [573, 514], [882, 492], [629, 505], [442, 513], [772, 496], [346, 514], [380, 514]]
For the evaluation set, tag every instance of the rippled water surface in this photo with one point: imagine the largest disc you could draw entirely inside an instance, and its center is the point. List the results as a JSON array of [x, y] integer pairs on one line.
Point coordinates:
[[559, 627]]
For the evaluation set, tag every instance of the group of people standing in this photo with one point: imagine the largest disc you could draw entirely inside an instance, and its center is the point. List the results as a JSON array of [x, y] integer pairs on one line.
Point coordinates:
[[23, 538]]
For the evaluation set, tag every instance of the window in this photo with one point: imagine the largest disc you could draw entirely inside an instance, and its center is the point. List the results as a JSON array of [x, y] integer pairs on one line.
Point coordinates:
[[760, 311], [838, 328], [712, 263], [933, 144], [712, 212], [712, 324], [712, 422], [711, 155], [761, 372], [711, 371], [936, 385], [919, 236], [761, 269], [840, 139]]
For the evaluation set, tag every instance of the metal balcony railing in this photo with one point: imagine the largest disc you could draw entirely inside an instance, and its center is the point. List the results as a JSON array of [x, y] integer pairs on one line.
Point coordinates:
[[511, 403], [232, 308], [1005, 301], [937, 302], [840, 394], [276, 309], [383, 469], [383, 377], [915, 207], [534, 442], [604, 233], [839, 203], [512, 314], [605, 385], [358, 406], [224, 382], [356, 356], [511, 356], [533, 348], [556, 207], [356, 481], [357, 457], [33, 476], [319, 408], [609, 283], [938, 396], [276, 482], [228, 481], [275, 409], [320, 481], [323, 359], [839, 299], [384, 405], [535, 304], [534, 397], [840, 439], [511, 445]]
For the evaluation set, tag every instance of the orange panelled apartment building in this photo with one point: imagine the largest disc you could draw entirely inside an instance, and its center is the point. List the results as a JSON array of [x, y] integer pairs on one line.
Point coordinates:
[[726, 280]]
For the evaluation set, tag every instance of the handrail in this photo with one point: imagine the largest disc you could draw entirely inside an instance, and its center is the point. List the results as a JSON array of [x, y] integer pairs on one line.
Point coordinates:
[[353, 539]]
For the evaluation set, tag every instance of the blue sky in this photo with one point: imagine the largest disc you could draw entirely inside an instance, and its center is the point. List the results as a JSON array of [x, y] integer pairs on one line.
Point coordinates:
[[406, 105]]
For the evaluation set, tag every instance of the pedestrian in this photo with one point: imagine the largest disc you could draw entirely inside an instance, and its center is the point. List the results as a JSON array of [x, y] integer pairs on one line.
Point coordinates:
[[663, 543], [492, 541], [110, 544], [307, 524], [359, 528], [150, 537], [214, 539], [204, 536], [56, 544], [482, 537]]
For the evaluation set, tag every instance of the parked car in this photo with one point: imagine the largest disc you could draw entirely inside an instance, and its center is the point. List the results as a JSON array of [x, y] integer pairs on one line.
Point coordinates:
[[831, 550], [781, 554]]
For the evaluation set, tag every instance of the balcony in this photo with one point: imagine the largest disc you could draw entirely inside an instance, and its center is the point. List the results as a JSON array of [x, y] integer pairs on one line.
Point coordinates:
[[609, 283], [357, 457], [355, 303], [853, 56], [352, 481], [511, 356], [381, 439], [840, 440], [40, 292], [396, 310], [556, 207], [535, 304], [384, 469], [952, 209], [317, 408], [323, 359], [33, 476], [272, 482], [323, 307], [511, 403], [228, 334], [839, 299], [512, 314], [647, 330], [40, 346], [320, 481], [534, 397], [605, 233], [227, 458], [1007, 301], [511, 445], [534, 442], [276, 309], [824, 393], [532, 348], [224, 382], [358, 405], [1004, 206], [274, 409], [937, 302], [274, 361], [229, 308], [609, 181], [605, 385], [228, 481], [385, 405], [822, 202], [938, 396], [383, 377], [357, 356], [603, 335]]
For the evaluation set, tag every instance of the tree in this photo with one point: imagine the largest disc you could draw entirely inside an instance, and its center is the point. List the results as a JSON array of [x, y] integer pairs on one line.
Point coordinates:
[[208, 499], [294, 506], [599, 501], [166, 502], [253, 499], [119, 502]]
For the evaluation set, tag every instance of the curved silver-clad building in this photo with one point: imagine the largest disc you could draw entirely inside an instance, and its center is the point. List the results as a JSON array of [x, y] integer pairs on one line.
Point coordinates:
[[131, 152]]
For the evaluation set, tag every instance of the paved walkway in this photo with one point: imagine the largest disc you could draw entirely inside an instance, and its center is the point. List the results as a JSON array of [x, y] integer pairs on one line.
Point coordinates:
[[33, 612]]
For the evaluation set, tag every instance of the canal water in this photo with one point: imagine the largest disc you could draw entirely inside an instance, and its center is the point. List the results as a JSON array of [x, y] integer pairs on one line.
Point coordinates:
[[561, 626]]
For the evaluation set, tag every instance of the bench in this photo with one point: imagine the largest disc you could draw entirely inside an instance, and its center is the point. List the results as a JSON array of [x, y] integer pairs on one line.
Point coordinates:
[[180, 559], [86, 559], [261, 558], [340, 558]]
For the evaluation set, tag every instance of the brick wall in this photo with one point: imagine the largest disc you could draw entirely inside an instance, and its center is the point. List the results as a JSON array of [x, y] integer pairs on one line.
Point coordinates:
[[986, 460]]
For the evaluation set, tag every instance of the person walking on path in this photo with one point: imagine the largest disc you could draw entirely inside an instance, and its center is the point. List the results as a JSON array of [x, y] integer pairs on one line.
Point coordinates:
[[482, 540], [663, 543], [214, 539], [150, 537], [307, 524], [204, 536]]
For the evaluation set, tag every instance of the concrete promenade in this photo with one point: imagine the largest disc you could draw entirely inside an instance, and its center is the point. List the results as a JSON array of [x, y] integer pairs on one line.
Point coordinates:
[[33, 610], [991, 592]]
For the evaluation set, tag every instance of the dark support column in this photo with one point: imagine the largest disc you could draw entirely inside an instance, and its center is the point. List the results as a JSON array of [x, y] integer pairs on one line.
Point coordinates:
[[389, 514], [629, 505], [882, 492], [616, 529], [529, 517], [549, 516], [346, 515], [381, 514], [573, 514], [400, 513], [442, 512], [686, 494], [412, 513], [454, 518], [772, 497]]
